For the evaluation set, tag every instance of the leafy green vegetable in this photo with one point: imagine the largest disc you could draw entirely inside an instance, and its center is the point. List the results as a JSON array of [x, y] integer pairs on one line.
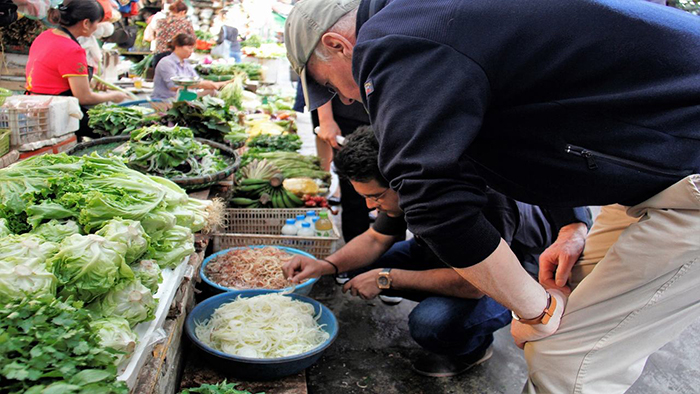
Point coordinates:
[[130, 300], [253, 70], [203, 35], [130, 233], [232, 93], [114, 120], [88, 266], [115, 333], [23, 268], [57, 230], [46, 344], [208, 117], [4, 227], [292, 164], [172, 247], [172, 152], [237, 136], [141, 68], [148, 272], [220, 388], [272, 143]]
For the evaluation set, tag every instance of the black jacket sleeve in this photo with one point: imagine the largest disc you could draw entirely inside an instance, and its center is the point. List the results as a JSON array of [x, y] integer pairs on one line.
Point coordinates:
[[415, 90]]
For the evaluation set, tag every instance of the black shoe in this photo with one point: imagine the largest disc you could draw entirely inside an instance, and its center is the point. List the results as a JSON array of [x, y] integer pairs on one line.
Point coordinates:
[[438, 366]]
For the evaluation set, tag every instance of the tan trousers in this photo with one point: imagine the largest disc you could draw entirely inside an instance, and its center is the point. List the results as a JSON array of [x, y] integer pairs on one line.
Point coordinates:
[[639, 288]]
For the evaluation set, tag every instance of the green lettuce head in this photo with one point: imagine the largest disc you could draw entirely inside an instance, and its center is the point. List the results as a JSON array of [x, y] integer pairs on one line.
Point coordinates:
[[23, 268], [130, 300], [88, 266], [115, 333], [57, 230], [130, 233], [172, 247], [4, 228], [148, 272]]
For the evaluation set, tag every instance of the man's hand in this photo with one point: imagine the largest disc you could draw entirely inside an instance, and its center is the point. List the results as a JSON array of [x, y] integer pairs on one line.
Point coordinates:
[[328, 132], [364, 285], [299, 268], [557, 261], [523, 333]]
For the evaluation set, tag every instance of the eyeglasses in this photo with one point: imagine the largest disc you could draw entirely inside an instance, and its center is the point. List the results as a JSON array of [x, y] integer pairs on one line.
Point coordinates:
[[375, 197]]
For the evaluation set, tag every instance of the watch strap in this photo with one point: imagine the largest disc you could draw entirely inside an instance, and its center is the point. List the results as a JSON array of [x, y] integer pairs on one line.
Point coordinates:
[[544, 317]]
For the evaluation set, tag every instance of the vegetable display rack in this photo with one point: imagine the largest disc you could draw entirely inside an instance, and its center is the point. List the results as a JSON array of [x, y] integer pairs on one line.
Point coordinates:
[[29, 124], [244, 227]]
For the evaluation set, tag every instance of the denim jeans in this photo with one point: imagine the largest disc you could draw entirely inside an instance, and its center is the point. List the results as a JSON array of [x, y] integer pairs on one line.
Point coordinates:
[[442, 325], [236, 55]]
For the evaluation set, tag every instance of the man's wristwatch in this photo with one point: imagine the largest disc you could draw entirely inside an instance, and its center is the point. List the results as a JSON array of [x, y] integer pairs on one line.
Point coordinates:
[[384, 280], [542, 318]]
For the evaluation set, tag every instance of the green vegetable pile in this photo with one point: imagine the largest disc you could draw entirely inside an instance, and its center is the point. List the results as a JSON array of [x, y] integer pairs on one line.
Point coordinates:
[[208, 117], [291, 164], [253, 70], [220, 388], [271, 143], [172, 152], [82, 241], [203, 35], [232, 93], [114, 120], [47, 346]]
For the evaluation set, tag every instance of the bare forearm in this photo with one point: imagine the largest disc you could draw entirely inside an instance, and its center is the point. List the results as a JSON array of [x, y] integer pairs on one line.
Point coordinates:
[[362, 251], [501, 277], [442, 281]]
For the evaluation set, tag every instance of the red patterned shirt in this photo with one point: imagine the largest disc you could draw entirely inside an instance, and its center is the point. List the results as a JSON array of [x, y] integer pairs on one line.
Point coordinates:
[[168, 28], [53, 57]]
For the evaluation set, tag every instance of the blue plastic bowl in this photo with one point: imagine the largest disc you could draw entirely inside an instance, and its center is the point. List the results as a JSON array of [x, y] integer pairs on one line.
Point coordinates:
[[259, 368], [303, 288]]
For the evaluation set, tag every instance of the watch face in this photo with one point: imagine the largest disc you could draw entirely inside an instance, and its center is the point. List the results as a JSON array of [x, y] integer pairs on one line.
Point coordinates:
[[383, 281]]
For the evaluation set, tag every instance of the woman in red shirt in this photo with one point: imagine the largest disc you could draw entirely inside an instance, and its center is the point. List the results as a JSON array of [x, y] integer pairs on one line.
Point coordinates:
[[168, 28], [57, 64]]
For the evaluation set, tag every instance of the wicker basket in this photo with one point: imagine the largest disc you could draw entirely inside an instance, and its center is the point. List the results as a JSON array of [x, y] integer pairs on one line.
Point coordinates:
[[243, 227]]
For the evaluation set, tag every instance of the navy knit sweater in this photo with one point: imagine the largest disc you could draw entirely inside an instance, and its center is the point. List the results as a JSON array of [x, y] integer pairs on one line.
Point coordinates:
[[555, 103]]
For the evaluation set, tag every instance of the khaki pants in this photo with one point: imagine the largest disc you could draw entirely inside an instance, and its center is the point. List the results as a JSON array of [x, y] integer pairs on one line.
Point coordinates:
[[639, 288]]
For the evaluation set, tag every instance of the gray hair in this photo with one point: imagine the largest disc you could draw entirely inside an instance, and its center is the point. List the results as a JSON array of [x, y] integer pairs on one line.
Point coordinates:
[[345, 26]]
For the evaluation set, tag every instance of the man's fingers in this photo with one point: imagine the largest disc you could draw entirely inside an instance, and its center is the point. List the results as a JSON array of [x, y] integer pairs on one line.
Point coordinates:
[[566, 263]]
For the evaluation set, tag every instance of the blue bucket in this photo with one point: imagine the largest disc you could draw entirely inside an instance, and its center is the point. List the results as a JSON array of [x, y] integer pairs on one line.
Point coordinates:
[[259, 368], [303, 288]]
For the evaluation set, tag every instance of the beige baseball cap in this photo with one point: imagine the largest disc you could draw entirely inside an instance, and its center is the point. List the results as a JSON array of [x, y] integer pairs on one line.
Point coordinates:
[[305, 25]]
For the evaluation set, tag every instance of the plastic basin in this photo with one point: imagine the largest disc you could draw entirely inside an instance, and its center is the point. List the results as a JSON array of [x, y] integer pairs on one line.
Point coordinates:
[[259, 368], [303, 288]]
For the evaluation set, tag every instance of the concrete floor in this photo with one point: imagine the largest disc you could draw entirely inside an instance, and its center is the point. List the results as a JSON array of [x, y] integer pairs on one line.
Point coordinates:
[[374, 350]]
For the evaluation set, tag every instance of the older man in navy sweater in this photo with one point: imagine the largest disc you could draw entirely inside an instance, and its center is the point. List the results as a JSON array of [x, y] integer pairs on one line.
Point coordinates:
[[586, 102]]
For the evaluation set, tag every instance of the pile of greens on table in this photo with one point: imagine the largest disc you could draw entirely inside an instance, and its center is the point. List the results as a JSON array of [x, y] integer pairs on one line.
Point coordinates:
[[82, 244], [252, 70], [207, 118], [108, 119], [172, 152]]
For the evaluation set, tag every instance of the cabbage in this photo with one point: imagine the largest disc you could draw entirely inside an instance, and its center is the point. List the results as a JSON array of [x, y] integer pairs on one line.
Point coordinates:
[[4, 228], [148, 272], [23, 268], [130, 234], [172, 247], [56, 231], [88, 266], [115, 333], [130, 300], [157, 222]]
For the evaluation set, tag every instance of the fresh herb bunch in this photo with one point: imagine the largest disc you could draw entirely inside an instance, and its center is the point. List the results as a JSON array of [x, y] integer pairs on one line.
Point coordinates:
[[113, 120], [272, 143], [47, 345], [220, 388], [207, 118], [172, 152], [141, 68]]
